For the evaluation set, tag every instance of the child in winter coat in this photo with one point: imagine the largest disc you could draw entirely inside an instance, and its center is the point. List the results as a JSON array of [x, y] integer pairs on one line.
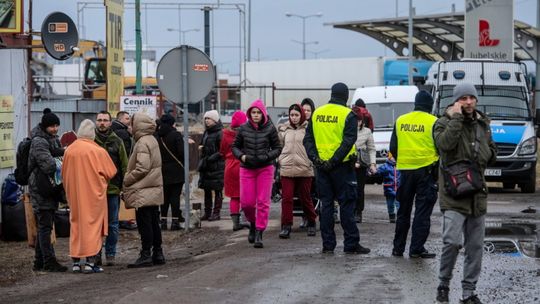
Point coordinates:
[[212, 166], [257, 146], [390, 177], [232, 167]]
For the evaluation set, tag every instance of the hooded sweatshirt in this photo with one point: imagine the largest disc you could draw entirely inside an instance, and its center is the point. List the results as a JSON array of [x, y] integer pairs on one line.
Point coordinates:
[[259, 142]]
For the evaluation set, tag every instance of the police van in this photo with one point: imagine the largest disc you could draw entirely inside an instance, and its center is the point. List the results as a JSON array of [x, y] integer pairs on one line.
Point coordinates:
[[504, 96], [385, 104]]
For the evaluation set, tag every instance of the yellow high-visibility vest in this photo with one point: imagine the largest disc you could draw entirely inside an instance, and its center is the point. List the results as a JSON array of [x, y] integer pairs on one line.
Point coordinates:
[[416, 147], [328, 126]]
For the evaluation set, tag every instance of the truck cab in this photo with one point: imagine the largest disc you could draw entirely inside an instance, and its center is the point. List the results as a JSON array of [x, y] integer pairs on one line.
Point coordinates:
[[385, 104], [503, 95]]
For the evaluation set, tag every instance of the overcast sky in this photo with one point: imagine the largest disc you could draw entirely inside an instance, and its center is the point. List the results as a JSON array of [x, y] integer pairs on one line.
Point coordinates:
[[271, 31]]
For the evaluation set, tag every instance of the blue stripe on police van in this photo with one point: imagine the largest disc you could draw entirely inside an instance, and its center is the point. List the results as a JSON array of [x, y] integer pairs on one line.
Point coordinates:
[[507, 134]]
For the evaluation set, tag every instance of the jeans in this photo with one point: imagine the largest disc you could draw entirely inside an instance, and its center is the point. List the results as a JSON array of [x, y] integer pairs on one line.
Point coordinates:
[[340, 184], [391, 203], [148, 226], [418, 187], [113, 206], [44, 248], [472, 228]]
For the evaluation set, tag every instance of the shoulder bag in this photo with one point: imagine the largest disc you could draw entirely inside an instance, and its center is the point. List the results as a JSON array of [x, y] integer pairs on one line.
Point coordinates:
[[170, 153], [463, 178]]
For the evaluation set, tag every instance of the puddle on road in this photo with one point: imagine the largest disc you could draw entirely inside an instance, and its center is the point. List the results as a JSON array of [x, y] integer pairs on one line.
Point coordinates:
[[512, 238]]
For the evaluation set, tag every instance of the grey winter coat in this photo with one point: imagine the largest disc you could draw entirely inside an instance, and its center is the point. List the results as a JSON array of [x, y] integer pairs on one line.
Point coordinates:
[[40, 157], [454, 137]]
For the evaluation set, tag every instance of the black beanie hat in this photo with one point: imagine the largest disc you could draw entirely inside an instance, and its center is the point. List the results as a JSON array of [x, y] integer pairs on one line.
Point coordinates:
[[423, 101], [360, 103], [49, 119], [340, 92], [167, 119]]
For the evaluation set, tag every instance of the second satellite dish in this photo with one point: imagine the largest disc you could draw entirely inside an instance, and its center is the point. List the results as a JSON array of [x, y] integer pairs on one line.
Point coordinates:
[[59, 36]]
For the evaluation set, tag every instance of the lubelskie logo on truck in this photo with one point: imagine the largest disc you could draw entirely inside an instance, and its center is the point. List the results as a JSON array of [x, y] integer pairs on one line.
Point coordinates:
[[484, 38]]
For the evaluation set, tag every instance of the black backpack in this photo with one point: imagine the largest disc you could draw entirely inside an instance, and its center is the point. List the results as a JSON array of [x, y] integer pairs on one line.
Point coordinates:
[[23, 153]]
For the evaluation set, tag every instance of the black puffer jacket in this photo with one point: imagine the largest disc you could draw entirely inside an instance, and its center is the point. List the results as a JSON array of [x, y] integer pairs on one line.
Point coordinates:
[[173, 173], [212, 164], [258, 142], [41, 157]]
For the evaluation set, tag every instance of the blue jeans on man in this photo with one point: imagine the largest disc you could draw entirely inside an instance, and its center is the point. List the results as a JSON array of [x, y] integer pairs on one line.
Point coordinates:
[[113, 206]]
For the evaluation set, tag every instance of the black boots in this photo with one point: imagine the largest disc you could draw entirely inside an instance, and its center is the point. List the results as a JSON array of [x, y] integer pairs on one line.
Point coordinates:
[[251, 235], [157, 256], [163, 224], [258, 239], [236, 222], [311, 229], [144, 260], [285, 232], [392, 218], [175, 224], [216, 214], [53, 266]]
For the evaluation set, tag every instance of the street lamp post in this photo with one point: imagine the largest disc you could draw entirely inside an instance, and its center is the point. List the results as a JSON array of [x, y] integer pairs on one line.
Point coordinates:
[[304, 17], [182, 33]]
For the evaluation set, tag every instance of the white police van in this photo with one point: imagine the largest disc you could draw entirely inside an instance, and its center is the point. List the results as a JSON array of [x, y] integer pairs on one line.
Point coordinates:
[[504, 96], [385, 104]]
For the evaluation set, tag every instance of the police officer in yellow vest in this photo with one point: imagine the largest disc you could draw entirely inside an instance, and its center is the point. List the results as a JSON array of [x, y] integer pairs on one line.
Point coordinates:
[[329, 143], [413, 147]]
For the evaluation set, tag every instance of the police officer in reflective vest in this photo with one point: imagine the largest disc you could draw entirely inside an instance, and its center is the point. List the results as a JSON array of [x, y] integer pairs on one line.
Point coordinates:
[[329, 143], [413, 147]]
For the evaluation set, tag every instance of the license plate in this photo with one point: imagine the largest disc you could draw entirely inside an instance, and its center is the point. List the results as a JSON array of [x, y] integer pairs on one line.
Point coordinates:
[[492, 172]]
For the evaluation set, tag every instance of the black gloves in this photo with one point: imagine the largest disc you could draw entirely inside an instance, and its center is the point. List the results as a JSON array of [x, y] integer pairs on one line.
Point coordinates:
[[324, 165]]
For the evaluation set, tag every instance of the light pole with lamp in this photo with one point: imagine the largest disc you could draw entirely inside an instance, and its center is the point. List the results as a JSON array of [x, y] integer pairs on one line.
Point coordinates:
[[304, 17], [316, 53], [182, 33]]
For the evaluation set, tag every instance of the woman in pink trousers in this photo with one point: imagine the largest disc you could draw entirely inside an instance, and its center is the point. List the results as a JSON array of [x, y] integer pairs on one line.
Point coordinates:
[[256, 146]]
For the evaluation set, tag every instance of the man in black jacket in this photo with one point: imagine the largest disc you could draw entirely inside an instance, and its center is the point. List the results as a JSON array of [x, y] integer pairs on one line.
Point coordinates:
[[121, 126], [329, 143], [44, 148]]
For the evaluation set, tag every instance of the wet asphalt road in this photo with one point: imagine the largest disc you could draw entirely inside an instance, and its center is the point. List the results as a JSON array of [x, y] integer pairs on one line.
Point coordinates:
[[294, 270]]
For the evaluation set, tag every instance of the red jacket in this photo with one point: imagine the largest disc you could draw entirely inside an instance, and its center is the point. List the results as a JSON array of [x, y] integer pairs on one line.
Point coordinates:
[[232, 164]]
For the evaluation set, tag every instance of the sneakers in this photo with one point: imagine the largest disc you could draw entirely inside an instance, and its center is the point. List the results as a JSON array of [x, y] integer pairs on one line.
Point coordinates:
[[392, 218], [442, 294], [471, 300], [424, 255], [358, 250]]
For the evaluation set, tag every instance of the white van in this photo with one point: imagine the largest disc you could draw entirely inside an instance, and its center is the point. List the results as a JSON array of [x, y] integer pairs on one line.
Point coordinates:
[[386, 104]]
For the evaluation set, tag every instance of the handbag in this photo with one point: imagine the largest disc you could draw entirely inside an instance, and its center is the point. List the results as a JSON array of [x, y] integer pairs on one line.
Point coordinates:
[[170, 153], [463, 178]]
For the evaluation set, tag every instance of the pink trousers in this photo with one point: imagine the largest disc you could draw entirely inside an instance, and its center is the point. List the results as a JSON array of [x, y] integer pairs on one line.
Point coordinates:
[[255, 192]]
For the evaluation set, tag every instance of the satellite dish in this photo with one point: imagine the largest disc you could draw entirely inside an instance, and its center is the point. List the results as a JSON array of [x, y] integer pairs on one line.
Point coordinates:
[[59, 36]]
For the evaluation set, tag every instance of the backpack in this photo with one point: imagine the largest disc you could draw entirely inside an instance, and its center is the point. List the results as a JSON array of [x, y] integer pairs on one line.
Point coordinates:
[[23, 153]]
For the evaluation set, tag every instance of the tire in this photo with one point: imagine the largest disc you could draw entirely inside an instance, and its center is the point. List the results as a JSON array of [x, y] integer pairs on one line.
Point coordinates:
[[529, 187]]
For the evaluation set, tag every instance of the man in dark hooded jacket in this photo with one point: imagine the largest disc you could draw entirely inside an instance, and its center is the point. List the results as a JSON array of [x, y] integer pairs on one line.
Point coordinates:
[[329, 144], [44, 148], [120, 126]]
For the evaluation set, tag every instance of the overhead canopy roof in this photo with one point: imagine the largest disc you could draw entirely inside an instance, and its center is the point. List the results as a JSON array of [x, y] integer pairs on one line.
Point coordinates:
[[437, 37]]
